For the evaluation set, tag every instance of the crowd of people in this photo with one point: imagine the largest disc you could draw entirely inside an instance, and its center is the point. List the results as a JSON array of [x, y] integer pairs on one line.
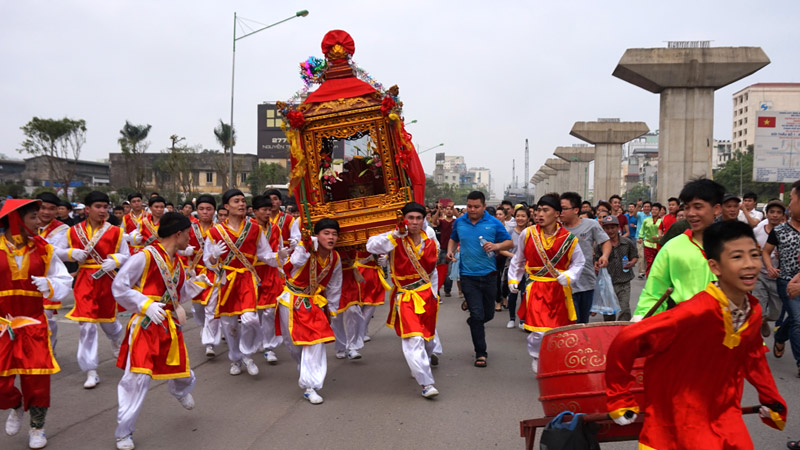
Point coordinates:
[[254, 280]]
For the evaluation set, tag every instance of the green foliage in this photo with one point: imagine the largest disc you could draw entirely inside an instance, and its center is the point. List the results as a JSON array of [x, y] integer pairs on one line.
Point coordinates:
[[226, 137], [133, 144], [638, 192], [174, 170], [739, 169], [55, 139], [42, 189], [458, 194], [12, 190], [265, 174]]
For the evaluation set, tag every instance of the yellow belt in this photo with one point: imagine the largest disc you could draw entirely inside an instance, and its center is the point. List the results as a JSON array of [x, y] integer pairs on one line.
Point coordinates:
[[567, 293], [232, 273], [380, 274], [316, 298], [413, 294]]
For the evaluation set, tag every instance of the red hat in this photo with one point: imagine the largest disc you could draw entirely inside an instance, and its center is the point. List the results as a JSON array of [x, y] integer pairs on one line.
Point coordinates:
[[9, 209]]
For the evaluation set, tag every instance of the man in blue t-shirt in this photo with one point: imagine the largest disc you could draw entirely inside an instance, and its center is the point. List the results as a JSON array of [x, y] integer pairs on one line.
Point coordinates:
[[477, 267]]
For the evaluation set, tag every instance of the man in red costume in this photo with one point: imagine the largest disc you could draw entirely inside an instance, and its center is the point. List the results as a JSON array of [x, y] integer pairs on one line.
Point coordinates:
[[133, 219], [289, 226], [147, 233], [347, 324], [54, 232], [374, 287], [414, 301], [553, 260], [232, 248], [153, 283], [29, 272], [314, 268], [99, 249], [271, 278], [698, 355], [204, 303]]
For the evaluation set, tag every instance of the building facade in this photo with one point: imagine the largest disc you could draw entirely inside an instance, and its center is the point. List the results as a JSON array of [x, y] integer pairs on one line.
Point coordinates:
[[721, 153], [272, 144], [760, 97], [46, 171]]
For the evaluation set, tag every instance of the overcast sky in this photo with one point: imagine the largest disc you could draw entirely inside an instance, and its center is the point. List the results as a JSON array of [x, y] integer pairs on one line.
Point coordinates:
[[478, 76]]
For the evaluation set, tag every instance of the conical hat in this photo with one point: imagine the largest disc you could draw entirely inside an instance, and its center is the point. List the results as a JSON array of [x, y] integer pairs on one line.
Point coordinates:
[[13, 204]]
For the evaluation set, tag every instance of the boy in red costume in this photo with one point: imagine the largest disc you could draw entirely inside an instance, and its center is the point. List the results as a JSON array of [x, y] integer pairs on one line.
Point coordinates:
[[374, 287], [289, 226], [414, 301], [153, 283], [204, 303], [29, 272], [147, 233], [232, 248], [133, 219], [99, 248], [348, 321], [313, 268], [271, 279], [698, 355], [553, 260]]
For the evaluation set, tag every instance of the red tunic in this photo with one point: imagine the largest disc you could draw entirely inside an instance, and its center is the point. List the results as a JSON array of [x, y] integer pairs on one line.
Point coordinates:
[[413, 307], [93, 299], [131, 223], [197, 239], [149, 231], [694, 374], [271, 278], [239, 293], [308, 323], [284, 222], [30, 351], [547, 304], [54, 225], [150, 347], [351, 288], [373, 290]]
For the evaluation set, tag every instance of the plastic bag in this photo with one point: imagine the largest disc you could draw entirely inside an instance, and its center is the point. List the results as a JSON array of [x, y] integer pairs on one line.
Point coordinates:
[[572, 435], [605, 299]]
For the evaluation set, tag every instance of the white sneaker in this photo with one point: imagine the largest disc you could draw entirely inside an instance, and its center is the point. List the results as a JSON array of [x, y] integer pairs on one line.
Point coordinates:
[[429, 391], [341, 355], [510, 324], [312, 396], [125, 443], [36, 438], [236, 368], [187, 401], [353, 354], [14, 421], [271, 357], [251, 366], [210, 351], [91, 379], [367, 338], [522, 326]]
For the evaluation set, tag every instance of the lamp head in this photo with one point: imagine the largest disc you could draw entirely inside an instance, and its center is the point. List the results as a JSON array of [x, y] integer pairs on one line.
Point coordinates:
[[302, 13]]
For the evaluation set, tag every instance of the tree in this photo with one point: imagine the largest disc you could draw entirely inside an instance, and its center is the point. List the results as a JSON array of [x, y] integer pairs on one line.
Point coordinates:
[[60, 141], [134, 144], [226, 137], [640, 191], [265, 174], [435, 192], [175, 168], [737, 177]]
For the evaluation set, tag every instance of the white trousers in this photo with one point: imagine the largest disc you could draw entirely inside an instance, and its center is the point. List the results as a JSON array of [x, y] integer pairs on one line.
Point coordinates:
[[53, 324], [312, 360], [437, 343], [87, 342], [243, 338], [269, 340], [131, 392], [204, 315], [347, 327], [367, 311], [534, 344], [418, 356]]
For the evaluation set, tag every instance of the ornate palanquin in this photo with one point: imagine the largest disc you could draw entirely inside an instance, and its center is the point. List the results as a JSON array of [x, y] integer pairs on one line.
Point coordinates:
[[352, 159]]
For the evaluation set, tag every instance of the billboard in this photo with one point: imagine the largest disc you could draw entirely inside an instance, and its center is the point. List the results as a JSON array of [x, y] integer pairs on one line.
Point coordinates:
[[272, 142], [776, 156]]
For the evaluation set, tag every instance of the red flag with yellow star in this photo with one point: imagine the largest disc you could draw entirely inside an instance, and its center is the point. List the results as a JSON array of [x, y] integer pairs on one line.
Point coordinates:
[[766, 122]]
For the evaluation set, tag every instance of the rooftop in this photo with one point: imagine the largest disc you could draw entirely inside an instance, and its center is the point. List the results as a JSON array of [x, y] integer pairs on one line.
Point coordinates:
[[770, 85]]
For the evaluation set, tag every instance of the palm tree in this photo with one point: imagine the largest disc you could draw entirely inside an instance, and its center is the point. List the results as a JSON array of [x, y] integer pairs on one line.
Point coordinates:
[[226, 137], [133, 144]]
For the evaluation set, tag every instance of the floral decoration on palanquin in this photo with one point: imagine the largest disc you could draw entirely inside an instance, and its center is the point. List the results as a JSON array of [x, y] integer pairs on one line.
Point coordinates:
[[327, 175], [312, 70], [296, 119]]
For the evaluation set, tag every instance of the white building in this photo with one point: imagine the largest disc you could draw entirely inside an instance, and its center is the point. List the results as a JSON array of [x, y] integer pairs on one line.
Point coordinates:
[[721, 153], [480, 177]]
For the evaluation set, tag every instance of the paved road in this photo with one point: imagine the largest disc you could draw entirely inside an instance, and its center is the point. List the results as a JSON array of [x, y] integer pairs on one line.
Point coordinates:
[[370, 403]]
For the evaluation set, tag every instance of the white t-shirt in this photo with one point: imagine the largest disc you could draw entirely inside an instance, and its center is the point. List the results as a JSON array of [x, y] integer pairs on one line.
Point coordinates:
[[758, 215], [761, 238]]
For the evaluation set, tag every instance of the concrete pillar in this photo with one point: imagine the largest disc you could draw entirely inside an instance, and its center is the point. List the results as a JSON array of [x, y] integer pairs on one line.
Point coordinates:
[[562, 173], [549, 183], [579, 159], [686, 78], [535, 180], [608, 137]]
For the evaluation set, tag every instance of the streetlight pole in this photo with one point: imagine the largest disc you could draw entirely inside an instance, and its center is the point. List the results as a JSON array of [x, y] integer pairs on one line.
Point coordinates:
[[302, 13], [429, 149]]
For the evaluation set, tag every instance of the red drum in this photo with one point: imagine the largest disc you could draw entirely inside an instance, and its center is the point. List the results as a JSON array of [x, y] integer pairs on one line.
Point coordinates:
[[572, 365]]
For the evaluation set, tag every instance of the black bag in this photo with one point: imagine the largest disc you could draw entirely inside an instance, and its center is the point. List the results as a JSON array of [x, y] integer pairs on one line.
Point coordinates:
[[572, 435]]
